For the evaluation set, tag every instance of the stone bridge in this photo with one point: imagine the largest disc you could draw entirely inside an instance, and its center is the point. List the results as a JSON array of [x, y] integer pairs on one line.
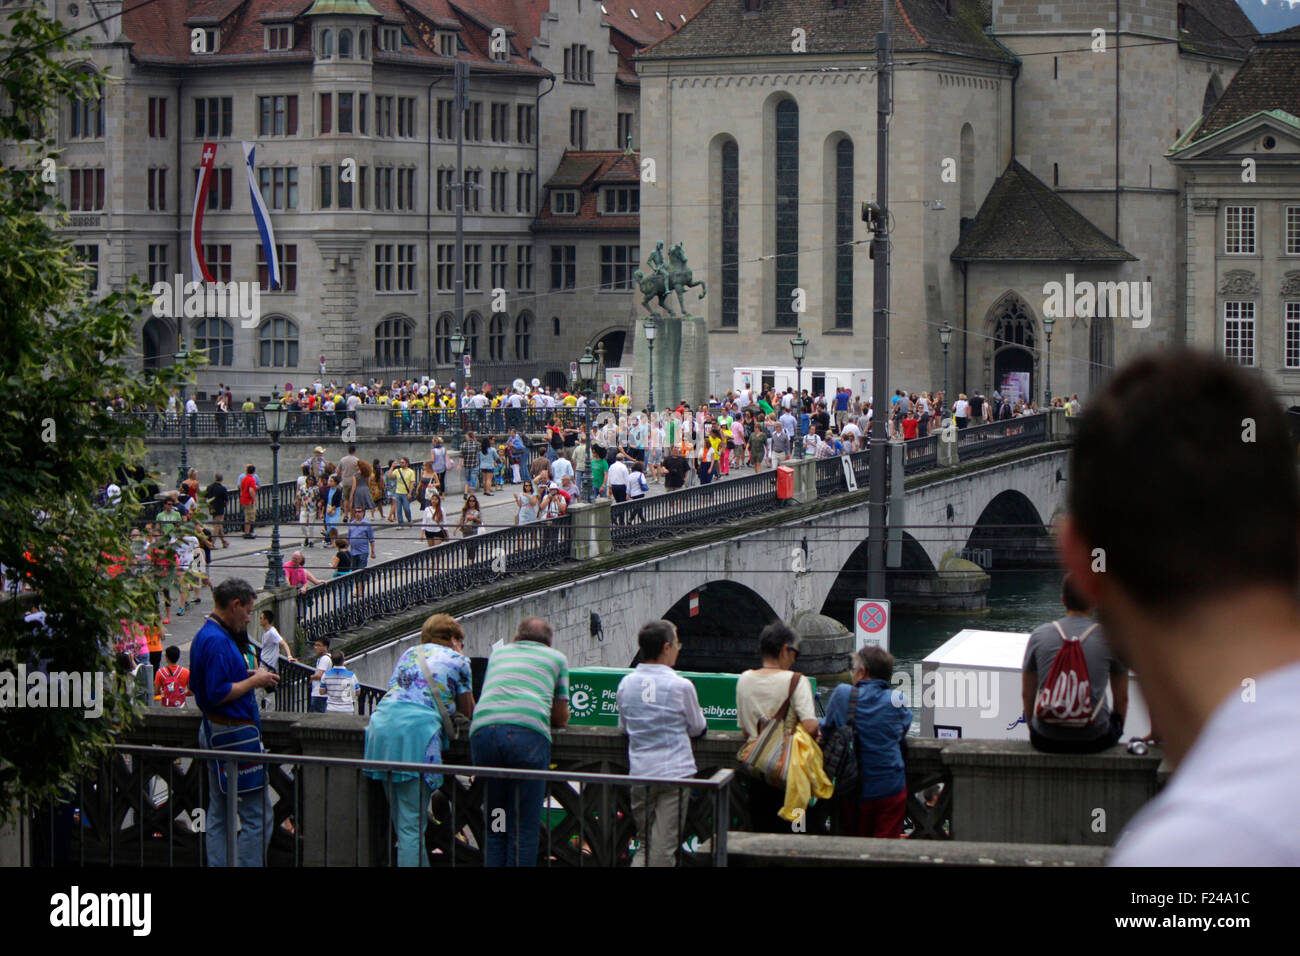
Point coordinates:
[[729, 582]]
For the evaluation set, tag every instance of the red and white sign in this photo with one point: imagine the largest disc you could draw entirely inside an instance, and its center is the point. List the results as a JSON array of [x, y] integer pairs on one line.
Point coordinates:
[[694, 603], [870, 624]]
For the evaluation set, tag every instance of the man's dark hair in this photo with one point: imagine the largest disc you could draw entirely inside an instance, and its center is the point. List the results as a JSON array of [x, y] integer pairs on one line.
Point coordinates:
[[352, 449], [534, 629], [1165, 451], [218, 476], [173, 654], [250, 469], [1071, 598], [774, 637], [325, 641], [269, 615], [654, 637], [337, 658], [231, 591], [876, 661]]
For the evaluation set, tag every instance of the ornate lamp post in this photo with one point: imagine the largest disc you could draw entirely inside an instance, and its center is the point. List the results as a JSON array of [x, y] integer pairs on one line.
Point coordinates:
[[799, 346], [1048, 322], [587, 371], [945, 339], [275, 416], [457, 341], [181, 356], [650, 329]]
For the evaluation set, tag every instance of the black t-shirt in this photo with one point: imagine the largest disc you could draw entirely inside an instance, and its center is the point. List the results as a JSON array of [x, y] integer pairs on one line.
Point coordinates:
[[675, 466], [217, 495], [823, 419], [977, 407]]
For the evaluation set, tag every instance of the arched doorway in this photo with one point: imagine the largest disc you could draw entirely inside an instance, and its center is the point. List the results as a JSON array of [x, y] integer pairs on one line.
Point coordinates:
[[157, 343], [613, 341], [1013, 346], [723, 633]]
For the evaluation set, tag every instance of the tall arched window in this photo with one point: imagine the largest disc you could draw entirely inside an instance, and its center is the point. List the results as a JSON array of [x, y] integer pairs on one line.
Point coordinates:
[[967, 172], [157, 344], [787, 211], [1013, 349], [523, 336], [278, 343], [217, 338], [326, 44], [442, 339], [345, 44], [844, 234], [497, 337], [471, 336], [729, 189], [1101, 351], [87, 118], [393, 342]]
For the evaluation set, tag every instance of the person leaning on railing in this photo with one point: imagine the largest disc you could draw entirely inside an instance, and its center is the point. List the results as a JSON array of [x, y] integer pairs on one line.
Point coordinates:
[[410, 725]]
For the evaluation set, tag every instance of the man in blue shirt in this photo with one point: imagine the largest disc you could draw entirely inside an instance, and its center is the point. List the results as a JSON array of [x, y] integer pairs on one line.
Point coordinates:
[[360, 536], [881, 721], [223, 688]]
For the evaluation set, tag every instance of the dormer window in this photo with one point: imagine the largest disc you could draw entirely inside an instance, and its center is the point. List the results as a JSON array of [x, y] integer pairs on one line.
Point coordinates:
[[564, 202], [623, 201], [211, 41], [279, 37], [447, 43], [390, 38]]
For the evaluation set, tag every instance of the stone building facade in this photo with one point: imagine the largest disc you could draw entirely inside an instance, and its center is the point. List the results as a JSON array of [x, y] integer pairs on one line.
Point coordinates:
[[982, 91]]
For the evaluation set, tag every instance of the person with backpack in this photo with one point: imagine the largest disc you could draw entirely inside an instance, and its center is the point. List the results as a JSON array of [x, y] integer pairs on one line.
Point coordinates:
[[1066, 671], [871, 728], [172, 683]]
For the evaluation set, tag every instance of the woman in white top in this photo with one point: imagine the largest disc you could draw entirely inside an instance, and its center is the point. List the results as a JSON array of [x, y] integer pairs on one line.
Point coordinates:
[[527, 502], [760, 693], [432, 521], [961, 410], [655, 449]]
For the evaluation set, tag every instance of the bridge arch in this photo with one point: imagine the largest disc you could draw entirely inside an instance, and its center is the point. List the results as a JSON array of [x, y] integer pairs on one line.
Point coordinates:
[[1010, 533], [851, 582], [723, 635]]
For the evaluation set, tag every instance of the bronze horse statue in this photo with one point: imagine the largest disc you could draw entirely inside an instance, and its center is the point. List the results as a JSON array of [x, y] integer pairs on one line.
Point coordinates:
[[678, 280]]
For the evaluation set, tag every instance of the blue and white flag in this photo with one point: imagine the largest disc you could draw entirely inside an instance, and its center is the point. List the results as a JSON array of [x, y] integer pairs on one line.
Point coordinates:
[[263, 218]]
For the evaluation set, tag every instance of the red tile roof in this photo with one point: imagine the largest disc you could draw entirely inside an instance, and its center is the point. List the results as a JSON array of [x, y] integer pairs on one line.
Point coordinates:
[[588, 170]]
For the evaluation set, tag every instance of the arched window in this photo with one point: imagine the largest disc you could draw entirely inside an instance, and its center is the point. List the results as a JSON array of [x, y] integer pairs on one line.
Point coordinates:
[[967, 172], [326, 44], [844, 234], [442, 339], [87, 118], [345, 44], [1013, 350], [157, 344], [363, 44], [217, 338], [523, 336], [556, 323], [787, 211], [729, 190], [1101, 351], [471, 336], [497, 337], [278, 343], [393, 342]]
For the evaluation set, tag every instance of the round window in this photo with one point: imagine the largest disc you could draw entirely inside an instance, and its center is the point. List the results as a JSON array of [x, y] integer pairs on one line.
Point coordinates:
[[1269, 142], [73, 10]]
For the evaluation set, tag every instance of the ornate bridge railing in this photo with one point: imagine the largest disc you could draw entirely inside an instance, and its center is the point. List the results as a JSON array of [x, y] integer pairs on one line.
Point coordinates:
[[634, 522], [490, 421], [358, 598], [234, 424], [997, 437], [269, 498]]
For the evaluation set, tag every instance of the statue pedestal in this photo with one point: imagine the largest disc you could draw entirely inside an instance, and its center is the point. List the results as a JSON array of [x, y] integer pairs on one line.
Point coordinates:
[[681, 357]]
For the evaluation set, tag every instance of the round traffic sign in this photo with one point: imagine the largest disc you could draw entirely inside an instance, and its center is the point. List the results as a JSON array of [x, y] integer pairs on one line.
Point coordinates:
[[871, 618]]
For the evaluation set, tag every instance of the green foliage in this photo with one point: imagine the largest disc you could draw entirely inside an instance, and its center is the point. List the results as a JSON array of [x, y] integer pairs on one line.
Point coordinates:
[[63, 353]]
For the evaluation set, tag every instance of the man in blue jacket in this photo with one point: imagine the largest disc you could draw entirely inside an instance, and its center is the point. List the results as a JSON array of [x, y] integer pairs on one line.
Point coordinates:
[[223, 688], [881, 720]]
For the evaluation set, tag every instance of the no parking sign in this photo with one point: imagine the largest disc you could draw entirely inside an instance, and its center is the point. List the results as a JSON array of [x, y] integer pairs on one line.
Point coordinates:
[[870, 624]]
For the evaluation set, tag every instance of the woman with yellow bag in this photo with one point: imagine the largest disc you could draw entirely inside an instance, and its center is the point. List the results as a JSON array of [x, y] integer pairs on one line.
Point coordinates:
[[775, 710]]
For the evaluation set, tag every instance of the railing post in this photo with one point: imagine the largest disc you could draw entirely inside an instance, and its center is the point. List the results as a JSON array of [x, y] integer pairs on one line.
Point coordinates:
[[947, 451], [805, 479], [591, 535]]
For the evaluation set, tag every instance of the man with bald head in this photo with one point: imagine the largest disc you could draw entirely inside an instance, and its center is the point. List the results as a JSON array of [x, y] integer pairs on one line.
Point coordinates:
[[525, 694], [1193, 570]]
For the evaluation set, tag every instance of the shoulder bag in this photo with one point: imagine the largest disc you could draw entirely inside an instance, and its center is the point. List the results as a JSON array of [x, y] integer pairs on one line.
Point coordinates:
[[840, 756], [767, 756]]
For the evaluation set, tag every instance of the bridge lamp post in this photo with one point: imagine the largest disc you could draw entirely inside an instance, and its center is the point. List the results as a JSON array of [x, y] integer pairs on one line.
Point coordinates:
[[275, 416], [650, 329], [945, 339], [1048, 322], [182, 356], [587, 371], [457, 342], [799, 346]]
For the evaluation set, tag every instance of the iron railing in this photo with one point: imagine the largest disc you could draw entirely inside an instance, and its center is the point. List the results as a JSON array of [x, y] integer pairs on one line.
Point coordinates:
[[996, 437], [270, 498], [148, 806], [357, 598], [634, 522], [235, 424], [293, 693], [492, 421]]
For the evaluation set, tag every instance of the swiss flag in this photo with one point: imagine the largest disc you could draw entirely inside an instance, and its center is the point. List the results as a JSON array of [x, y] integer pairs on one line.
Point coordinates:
[[695, 603]]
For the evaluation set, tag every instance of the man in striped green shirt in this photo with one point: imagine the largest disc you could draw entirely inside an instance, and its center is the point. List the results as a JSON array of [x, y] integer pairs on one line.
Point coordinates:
[[525, 694]]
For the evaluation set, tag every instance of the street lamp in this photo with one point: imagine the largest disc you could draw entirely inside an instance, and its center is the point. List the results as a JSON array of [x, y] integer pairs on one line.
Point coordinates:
[[945, 339], [1048, 322], [650, 329], [457, 352], [182, 356], [275, 416], [587, 371], [799, 346]]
